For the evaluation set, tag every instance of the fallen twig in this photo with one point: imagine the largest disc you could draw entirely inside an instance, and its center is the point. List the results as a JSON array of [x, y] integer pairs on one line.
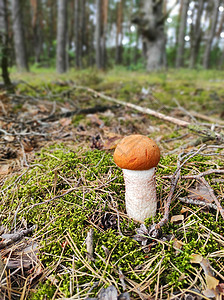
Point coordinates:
[[89, 243], [199, 129], [91, 110], [210, 191], [197, 202], [182, 159], [16, 237]]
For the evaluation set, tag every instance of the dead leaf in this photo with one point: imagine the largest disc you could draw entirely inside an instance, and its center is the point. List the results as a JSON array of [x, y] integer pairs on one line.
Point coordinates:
[[42, 108], [27, 145], [65, 121], [95, 120], [196, 258], [201, 193], [112, 141], [209, 293], [184, 209], [8, 138], [220, 288], [177, 218], [204, 262], [211, 281], [4, 169], [177, 244]]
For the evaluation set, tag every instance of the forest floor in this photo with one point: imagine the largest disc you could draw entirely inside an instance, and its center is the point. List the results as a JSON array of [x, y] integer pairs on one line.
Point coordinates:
[[64, 230]]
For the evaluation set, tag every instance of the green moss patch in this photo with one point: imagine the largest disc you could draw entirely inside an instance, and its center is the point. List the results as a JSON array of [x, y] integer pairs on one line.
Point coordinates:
[[66, 193]]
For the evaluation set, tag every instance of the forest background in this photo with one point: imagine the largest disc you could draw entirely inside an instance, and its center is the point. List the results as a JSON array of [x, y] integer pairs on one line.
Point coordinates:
[[135, 34], [78, 76]]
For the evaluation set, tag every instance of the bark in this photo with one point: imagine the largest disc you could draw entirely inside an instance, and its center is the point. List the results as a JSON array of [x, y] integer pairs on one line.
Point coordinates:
[[78, 62], [4, 43], [119, 33], [83, 26], [19, 42], [52, 31], [181, 34], [211, 34], [104, 33], [98, 34], [37, 28], [61, 36], [151, 26], [196, 35]]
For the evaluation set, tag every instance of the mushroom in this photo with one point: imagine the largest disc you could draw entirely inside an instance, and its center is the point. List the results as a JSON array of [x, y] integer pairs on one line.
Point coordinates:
[[138, 157]]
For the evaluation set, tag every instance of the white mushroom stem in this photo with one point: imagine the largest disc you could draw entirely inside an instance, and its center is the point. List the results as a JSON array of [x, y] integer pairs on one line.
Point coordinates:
[[140, 193]]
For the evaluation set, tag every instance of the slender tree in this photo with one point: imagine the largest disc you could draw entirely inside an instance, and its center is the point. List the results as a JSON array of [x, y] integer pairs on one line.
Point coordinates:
[[83, 26], [119, 33], [98, 33], [51, 27], [37, 28], [61, 36], [181, 34], [150, 21], [104, 33], [196, 34], [211, 33], [78, 40], [4, 43], [19, 42]]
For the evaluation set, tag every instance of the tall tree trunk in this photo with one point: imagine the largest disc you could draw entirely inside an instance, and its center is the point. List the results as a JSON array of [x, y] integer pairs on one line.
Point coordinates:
[[83, 26], [211, 34], [136, 48], [151, 26], [98, 33], [119, 33], [104, 33], [19, 42], [4, 43], [61, 36], [196, 35], [37, 28], [78, 46], [52, 30], [181, 34]]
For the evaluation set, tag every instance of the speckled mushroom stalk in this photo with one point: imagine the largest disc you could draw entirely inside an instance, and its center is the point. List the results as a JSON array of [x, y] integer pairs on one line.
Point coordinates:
[[138, 156]]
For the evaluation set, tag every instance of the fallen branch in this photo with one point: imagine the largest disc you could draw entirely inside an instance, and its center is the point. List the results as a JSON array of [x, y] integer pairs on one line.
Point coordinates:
[[201, 179], [182, 159], [199, 129], [16, 237], [197, 202], [91, 110]]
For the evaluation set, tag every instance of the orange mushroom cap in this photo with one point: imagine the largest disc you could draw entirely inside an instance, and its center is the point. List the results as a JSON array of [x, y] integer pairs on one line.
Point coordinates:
[[136, 152]]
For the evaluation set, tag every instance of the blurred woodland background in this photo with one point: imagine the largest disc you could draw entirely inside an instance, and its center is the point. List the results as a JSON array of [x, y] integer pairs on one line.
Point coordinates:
[[138, 34]]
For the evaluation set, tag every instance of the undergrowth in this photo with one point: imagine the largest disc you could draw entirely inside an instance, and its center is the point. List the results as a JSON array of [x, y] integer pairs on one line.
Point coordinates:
[[96, 201]]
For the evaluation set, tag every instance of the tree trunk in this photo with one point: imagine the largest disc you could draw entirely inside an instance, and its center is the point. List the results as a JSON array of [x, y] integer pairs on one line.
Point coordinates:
[[37, 28], [52, 32], [98, 34], [61, 36], [104, 33], [19, 42], [196, 35], [4, 43], [211, 34], [119, 33], [83, 27], [151, 26], [181, 34], [78, 46]]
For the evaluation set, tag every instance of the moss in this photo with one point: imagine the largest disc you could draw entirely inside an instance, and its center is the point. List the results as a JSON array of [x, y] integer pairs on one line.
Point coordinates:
[[63, 223]]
